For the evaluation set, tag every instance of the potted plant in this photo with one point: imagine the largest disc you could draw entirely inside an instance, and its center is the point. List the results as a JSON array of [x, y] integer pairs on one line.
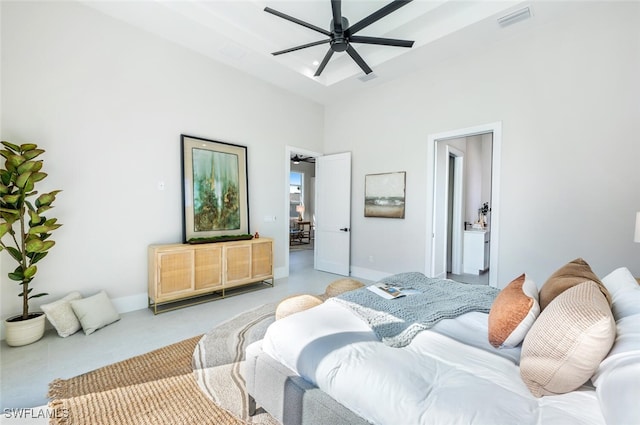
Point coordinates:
[[24, 232]]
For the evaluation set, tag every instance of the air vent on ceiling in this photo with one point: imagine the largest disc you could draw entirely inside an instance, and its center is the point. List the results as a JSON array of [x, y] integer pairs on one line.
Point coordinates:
[[367, 77], [515, 16]]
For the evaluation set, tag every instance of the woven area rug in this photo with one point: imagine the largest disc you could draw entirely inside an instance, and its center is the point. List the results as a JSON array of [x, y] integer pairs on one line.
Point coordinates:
[[196, 381], [219, 356]]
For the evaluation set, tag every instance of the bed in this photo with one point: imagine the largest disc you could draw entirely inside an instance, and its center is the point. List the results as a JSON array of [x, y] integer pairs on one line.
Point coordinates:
[[329, 365]]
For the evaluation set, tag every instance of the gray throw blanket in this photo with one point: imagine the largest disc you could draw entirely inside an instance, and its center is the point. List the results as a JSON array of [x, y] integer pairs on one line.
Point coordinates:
[[396, 322]]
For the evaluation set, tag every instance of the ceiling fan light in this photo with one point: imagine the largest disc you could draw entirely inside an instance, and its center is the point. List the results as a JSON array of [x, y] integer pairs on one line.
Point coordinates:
[[367, 77]]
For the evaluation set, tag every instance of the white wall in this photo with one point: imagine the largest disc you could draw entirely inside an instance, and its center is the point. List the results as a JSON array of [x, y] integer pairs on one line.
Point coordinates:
[[108, 102], [566, 90]]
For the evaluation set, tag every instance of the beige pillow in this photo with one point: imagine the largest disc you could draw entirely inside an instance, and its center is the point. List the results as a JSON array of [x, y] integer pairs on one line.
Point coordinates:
[[571, 274], [95, 312], [567, 342], [513, 312], [61, 315]]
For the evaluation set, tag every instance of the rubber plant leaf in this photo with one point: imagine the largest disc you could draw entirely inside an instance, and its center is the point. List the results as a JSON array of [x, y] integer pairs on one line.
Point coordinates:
[[32, 153], [28, 166], [34, 217], [15, 253], [36, 256], [30, 271], [34, 245], [37, 176], [45, 228], [15, 276], [46, 245], [4, 228], [23, 179], [46, 198], [11, 145], [11, 199], [15, 160]]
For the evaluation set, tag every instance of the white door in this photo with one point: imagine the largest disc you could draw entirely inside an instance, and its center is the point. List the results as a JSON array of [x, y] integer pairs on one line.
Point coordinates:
[[333, 213]]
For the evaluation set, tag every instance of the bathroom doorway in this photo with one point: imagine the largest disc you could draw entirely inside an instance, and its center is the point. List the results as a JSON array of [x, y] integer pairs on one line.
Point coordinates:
[[464, 236]]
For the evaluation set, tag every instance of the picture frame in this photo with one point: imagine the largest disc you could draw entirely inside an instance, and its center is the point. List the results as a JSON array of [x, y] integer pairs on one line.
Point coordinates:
[[215, 196], [384, 195]]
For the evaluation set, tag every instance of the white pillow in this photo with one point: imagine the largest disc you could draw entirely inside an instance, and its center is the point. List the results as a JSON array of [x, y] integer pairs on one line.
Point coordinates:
[[626, 304], [619, 279], [625, 293], [625, 348], [619, 393], [61, 315], [95, 312]]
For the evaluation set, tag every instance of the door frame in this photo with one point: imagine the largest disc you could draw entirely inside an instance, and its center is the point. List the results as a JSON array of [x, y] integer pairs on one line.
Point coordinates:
[[288, 151], [456, 222], [496, 129]]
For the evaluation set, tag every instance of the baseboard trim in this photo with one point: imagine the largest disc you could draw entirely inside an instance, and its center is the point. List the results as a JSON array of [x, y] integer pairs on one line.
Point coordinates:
[[368, 274]]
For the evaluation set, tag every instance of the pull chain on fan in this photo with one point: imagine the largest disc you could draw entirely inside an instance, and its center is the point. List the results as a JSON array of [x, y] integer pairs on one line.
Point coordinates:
[[341, 34]]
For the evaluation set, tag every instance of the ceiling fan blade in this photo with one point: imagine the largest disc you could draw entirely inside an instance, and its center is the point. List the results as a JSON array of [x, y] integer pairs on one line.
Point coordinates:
[[297, 21], [356, 57], [336, 8], [379, 40], [324, 63], [375, 16], [304, 46]]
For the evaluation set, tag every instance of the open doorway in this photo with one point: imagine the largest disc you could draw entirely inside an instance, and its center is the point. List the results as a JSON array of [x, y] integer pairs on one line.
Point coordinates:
[[301, 203], [465, 197], [300, 213]]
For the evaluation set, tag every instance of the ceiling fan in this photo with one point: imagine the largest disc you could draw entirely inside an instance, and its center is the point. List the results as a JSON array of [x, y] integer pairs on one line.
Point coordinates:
[[296, 159], [341, 34]]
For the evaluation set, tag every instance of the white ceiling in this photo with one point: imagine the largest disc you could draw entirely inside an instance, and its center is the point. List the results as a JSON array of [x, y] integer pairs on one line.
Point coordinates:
[[240, 34]]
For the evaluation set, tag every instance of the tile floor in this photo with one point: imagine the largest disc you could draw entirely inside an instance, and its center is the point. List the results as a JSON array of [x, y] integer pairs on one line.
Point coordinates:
[[25, 372], [481, 279]]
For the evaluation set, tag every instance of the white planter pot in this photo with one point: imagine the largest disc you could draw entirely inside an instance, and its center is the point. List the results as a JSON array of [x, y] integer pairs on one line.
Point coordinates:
[[23, 332]]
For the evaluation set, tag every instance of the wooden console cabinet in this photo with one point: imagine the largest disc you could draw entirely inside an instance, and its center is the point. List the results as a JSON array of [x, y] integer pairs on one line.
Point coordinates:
[[181, 271]]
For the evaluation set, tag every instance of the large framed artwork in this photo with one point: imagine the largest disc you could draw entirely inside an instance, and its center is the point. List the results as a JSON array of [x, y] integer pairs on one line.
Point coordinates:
[[215, 194], [384, 195]]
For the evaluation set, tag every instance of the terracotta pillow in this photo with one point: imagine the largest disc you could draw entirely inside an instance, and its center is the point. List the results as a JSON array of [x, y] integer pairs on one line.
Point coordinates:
[[567, 342], [567, 276], [513, 312]]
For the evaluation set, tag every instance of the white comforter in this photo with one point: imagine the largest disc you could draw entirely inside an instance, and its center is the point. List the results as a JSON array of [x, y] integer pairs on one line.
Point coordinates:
[[437, 379]]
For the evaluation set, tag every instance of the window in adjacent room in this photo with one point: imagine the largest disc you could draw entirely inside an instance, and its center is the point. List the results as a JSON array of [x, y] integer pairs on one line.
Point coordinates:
[[295, 193]]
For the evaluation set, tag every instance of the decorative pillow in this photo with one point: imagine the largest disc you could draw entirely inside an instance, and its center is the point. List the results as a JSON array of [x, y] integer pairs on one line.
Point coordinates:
[[571, 274], [95, 312], [61, 315], [567, 342], [513, 312]]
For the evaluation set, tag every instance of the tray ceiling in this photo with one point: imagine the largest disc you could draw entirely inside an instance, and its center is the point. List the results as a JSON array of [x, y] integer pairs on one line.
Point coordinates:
[[240, 34]]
